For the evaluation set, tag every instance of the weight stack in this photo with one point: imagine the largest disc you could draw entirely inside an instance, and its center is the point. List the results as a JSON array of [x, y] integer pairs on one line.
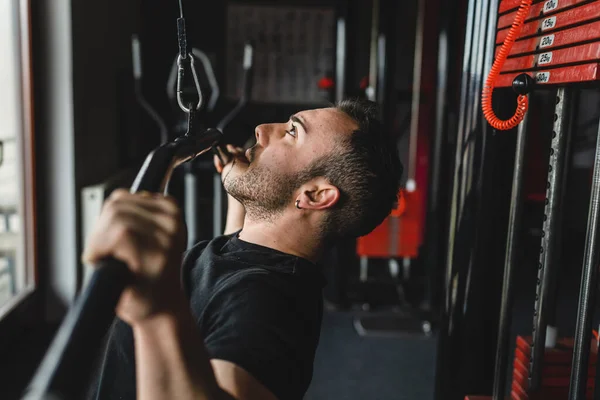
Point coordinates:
[[556, 370]]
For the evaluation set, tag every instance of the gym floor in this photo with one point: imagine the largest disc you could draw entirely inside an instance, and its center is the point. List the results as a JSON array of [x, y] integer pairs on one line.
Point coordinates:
[[349, 367]]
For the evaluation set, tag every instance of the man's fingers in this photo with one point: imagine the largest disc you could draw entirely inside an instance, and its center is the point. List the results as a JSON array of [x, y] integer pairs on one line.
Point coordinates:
[[148, 220], [236, 151], [218, 164], [129, 241], [231, 148], [152, 202], [233, 151], [223, 154]]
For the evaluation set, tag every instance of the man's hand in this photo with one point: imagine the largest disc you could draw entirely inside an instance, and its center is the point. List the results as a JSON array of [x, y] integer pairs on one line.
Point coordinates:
[[146, 231], [234, 152]]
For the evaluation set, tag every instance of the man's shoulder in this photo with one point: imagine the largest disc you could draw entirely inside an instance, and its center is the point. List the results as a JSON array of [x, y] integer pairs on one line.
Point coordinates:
[[196, 251], [203, 264], [217, 264]]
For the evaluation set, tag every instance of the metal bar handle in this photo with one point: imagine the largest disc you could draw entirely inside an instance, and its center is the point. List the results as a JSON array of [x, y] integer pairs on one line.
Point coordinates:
[[65, 370]]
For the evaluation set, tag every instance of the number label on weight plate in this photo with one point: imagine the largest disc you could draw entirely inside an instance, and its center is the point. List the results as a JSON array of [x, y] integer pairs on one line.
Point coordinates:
[[548, 23], [546, 41], [545, 58], [550, 5], [542, 77]]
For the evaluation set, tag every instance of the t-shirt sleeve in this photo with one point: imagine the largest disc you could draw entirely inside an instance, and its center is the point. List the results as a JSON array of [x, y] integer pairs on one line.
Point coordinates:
[[258, 327]]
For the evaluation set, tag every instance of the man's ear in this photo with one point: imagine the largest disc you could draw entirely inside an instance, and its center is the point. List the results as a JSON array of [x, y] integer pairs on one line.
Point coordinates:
[[318, 195]]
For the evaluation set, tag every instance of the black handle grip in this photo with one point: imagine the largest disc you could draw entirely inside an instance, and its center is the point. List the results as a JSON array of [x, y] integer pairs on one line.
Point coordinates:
[[62, 375]]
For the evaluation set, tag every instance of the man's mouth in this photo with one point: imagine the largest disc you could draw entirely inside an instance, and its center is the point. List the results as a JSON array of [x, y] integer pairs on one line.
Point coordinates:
[[251, 153]]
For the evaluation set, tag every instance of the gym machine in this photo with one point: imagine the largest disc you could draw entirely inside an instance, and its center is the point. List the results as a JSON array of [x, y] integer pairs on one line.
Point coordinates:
[[92, 197], [400, 239], [65, 371], [468, 287], [556, 48], [193, 168], [557, 32]]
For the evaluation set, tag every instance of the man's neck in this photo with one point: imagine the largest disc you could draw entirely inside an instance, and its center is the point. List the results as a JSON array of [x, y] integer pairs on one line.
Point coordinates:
[[290, 237]]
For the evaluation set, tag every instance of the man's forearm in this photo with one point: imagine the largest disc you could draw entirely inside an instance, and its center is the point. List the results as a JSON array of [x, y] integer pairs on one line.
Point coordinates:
[[172, 361], [235, 216]]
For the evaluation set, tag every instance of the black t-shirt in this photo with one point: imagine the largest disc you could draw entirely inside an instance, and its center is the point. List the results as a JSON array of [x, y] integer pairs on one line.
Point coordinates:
[[256, 307]]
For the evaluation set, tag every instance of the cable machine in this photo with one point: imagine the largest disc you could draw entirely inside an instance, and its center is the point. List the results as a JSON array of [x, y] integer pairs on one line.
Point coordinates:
[[556, 49]]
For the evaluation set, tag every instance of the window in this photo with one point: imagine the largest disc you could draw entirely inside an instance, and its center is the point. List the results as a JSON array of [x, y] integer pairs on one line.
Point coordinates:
[[17, 246]]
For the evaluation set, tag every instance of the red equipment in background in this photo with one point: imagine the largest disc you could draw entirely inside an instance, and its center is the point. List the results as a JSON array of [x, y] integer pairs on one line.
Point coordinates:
[[559, 42], [556, 371], [402, 233]]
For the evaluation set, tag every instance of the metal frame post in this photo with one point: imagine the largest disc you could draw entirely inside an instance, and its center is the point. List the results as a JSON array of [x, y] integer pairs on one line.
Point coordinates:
[[514, 228], [587, 293], [473, 100], [459, 144], [549, 249], [457, 374]]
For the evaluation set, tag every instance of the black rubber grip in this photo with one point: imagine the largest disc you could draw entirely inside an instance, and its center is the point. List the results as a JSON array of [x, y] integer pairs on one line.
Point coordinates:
[[62, 374]]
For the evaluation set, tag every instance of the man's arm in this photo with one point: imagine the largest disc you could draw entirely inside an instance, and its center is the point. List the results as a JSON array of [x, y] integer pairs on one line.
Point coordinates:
[[238, 382], [147, 233], [172, 363], [235, 216]]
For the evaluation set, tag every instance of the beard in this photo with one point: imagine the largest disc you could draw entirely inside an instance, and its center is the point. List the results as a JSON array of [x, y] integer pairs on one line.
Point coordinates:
[[263, 192]]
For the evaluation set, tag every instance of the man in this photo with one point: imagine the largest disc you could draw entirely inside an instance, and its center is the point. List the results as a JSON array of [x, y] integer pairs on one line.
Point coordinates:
[[246, 324]]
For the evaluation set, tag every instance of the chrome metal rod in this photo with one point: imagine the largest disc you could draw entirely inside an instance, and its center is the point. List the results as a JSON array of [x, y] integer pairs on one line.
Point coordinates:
[[587, 293], [490, 46], [217, 206], [442, 89], [340, 60], [190, 206], [510, 260], [474, 94], [483, 49], [416, 97], [433, 231], [381, 68], [456, 184], [373, 78]]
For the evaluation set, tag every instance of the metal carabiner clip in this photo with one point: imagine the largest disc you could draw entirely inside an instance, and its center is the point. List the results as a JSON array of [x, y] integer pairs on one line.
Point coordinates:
[[180, 76]]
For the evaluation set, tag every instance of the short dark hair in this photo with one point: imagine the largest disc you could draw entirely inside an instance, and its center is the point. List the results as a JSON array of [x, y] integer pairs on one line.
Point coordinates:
[[367, 171]]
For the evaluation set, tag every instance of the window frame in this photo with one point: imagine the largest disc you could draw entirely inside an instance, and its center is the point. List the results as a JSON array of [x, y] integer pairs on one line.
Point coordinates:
[[22, 301]]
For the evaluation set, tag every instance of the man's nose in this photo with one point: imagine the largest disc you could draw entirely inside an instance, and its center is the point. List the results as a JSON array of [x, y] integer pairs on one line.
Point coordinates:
[[259, 132], [263, 133]]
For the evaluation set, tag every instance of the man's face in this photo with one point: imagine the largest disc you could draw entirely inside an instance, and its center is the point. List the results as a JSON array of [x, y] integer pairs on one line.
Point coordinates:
[[282, 152]]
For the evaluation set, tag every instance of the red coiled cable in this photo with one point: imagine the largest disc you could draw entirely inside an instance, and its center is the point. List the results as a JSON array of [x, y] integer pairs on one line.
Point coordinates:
[[486, 95]]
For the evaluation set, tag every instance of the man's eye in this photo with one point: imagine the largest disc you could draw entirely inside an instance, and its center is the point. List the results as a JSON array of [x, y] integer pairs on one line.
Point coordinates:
[[292, 131]]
